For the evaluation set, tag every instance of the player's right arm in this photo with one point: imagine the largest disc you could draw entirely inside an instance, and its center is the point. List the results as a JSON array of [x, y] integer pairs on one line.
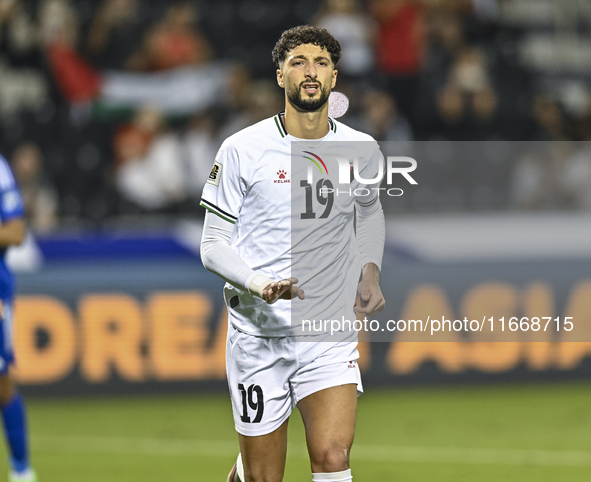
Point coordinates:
[[218, 257], [223, 195], [12, 211]]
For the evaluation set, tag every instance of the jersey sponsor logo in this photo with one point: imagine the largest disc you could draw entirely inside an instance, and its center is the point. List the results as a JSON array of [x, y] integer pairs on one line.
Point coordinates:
[[281, 174], [215, 175], [352, 364]]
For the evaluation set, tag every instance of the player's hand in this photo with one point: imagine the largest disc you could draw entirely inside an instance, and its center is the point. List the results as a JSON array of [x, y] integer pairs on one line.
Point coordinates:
[[369, 299], [284, 289]]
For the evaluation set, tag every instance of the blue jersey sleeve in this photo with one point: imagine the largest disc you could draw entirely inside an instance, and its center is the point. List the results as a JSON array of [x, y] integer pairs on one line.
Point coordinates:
[[11, 202]]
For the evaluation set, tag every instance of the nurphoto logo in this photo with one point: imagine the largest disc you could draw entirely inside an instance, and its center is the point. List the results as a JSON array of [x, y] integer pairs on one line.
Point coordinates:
[[393, 166]]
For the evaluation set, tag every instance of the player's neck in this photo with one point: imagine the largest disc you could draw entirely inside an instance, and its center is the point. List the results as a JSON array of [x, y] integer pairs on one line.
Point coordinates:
[[306, 125]]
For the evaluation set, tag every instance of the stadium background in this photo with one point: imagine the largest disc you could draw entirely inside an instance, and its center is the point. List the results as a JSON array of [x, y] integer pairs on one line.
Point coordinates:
[[111, 112]]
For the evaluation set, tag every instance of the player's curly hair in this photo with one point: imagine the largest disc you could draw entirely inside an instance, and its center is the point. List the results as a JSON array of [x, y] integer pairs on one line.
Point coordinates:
[[306, 34]]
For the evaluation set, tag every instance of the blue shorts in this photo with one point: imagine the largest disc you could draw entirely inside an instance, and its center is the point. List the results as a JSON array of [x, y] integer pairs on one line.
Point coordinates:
[[6, 342]]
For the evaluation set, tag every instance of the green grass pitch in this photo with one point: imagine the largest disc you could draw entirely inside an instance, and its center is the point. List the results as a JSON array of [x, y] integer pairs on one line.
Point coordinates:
[[531, 432]]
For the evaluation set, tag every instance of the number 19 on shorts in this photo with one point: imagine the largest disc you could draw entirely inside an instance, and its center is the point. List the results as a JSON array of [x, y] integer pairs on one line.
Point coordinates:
[[248, 400]]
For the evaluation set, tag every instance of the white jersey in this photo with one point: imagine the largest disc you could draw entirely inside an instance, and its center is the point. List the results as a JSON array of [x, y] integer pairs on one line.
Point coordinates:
[[286, 225]]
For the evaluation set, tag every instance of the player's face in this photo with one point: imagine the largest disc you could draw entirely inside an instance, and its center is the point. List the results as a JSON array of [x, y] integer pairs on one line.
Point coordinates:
[[308, 76]]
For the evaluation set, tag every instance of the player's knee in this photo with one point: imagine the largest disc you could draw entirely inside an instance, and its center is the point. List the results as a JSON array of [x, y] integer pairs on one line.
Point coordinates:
[[333, 459], [6, 390]]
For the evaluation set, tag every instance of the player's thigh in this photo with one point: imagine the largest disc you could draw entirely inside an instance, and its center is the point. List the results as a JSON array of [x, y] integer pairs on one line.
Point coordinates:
[[264, 456], [329, 418], [259, 371], [6, 388]]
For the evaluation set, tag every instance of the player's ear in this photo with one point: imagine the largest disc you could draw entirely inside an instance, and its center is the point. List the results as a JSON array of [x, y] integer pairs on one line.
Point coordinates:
[[280, 79], [334, 78]]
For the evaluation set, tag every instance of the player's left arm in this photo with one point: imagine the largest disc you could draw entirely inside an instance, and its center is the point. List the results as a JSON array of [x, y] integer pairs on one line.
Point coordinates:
[[371, 236], [12, 232]]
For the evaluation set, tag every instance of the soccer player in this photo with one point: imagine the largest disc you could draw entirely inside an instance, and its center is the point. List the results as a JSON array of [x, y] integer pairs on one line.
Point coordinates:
[[12, 232], [248, 240]]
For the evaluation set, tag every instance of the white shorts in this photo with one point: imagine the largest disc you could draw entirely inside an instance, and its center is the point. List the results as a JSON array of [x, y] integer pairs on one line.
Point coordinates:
[[267, 377]]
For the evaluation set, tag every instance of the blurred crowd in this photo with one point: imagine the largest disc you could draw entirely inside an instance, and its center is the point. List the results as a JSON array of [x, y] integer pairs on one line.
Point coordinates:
[[116, 108]]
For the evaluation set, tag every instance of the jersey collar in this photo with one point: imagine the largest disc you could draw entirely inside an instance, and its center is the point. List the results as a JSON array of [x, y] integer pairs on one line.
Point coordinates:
[[283, 132]]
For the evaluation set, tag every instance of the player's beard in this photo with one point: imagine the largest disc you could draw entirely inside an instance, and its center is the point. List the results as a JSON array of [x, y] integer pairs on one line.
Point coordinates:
[[295, 97]]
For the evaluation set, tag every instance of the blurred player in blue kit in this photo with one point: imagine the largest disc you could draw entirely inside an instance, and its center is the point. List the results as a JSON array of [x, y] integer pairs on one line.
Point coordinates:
[[248, 240], [12, 232]]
